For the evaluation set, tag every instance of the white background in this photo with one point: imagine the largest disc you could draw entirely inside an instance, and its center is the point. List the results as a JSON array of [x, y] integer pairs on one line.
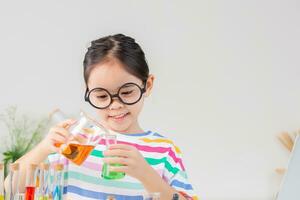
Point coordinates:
[[227, 77]]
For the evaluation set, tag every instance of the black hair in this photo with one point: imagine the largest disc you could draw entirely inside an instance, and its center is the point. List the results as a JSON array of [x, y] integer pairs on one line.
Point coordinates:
[[121, 47]]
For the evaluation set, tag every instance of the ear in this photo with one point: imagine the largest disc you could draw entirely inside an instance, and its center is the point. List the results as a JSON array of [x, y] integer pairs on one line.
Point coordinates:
[[149, 85]]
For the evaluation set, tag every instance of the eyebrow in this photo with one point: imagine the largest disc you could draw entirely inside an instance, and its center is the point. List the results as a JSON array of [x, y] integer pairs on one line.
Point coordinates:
[[123, 85]]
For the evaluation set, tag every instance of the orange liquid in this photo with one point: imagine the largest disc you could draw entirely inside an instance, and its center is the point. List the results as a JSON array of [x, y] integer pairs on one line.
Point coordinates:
[[77, 153], [57, 145], [37, 183]]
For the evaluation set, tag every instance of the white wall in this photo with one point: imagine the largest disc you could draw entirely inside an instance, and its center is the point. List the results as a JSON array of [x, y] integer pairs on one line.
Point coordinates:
[[227, 77]]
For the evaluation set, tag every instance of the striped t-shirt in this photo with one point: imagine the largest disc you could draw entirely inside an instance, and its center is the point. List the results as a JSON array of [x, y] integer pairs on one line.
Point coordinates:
[[85, 181]]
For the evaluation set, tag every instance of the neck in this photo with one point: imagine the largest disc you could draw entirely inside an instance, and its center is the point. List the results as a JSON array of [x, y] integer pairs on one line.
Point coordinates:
[[134, 128]]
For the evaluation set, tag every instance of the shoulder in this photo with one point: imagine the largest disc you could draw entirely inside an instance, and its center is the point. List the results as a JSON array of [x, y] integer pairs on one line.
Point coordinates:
[[160, 140], [171, 151]]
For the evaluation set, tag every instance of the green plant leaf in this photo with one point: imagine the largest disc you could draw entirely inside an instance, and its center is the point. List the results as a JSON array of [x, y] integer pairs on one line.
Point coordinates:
[[23, 134]]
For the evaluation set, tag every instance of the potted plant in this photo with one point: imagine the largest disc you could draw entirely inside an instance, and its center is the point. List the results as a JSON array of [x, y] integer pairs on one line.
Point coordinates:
[[23, 134]]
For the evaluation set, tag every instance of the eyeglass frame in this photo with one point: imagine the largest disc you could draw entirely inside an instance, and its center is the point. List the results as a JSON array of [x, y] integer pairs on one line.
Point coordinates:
[[116, 95]]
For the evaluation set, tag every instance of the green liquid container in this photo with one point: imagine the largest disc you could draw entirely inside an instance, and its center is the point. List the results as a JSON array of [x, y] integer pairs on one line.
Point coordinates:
[[110, 139], [107, 174]]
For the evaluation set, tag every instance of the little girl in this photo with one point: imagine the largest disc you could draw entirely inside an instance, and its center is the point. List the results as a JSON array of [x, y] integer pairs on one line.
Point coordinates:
[[117, 82]]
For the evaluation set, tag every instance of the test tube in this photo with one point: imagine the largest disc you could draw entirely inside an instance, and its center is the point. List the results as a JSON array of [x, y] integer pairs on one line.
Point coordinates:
[[110, 197], [1, 181], [58, 182], [13, 190], [43, 191], [152, 196], [30, 182]]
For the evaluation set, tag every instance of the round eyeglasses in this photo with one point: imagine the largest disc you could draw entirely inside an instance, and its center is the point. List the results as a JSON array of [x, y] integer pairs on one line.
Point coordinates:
[[100, 98]]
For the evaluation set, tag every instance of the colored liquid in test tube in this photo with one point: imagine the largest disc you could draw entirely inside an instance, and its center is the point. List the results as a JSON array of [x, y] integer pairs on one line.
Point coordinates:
[[1, 181], [30, 182], [43, 188], [57, 193], [29, 193], [43, 198]]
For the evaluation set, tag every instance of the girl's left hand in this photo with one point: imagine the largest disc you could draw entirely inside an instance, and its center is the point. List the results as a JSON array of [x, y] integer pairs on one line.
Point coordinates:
[[132, 160]]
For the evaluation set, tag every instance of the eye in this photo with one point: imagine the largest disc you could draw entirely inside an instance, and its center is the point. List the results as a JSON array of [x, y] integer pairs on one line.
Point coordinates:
[[101, 96], [127, 92]]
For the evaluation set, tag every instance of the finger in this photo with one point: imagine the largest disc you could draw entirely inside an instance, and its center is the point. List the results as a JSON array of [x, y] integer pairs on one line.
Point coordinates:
[[67, 123], [57, 141], [55, 149], [56, 137], [115, 160], [80, 138], [124, 169], [122, 146], [63, 149], [61, 131], [117, 152]]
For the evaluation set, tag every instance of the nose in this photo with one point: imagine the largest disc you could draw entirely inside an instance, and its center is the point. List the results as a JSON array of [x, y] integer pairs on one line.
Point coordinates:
[[116, 104]]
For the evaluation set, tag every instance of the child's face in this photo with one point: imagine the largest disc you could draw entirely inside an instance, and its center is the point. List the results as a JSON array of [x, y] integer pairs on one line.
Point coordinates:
[[119, 117]]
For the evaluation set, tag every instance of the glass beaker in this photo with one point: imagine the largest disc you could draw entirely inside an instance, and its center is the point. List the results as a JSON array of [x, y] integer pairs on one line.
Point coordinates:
[[85, 135], [110, 139]]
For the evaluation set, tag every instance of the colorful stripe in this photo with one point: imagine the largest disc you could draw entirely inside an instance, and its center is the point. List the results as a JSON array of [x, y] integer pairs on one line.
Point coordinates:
[[157, 135], [177, 183], [147, 140], [99, 181], [99, 195], [151, 161], [157, 150], [137, 134], [85, 182]]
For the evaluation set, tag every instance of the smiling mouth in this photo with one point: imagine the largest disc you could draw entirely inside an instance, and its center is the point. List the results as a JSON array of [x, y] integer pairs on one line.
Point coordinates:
[[119, 117]]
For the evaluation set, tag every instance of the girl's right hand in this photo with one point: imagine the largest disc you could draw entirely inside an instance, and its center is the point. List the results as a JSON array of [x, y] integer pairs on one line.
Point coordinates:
[[57, 135]]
